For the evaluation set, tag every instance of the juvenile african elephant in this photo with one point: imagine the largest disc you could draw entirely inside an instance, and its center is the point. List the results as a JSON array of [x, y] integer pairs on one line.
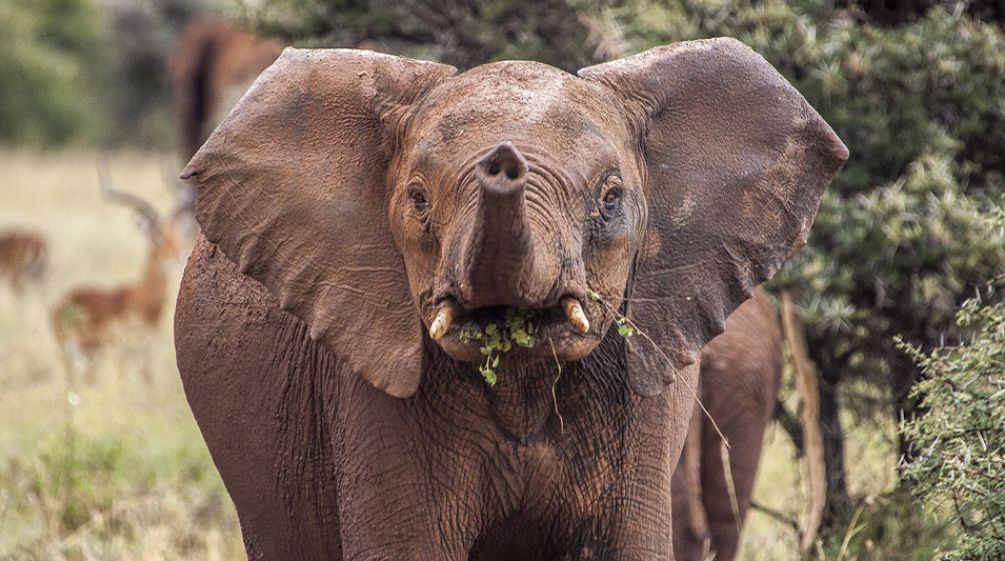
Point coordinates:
[[741, 371], [365, 216]]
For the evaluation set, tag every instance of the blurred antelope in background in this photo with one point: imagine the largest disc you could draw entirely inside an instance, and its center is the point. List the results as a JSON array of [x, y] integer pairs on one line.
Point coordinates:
[[88, 317], [23, 256]]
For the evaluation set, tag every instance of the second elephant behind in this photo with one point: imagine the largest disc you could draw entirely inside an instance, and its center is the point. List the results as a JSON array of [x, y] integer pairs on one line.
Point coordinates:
[[741, 372]]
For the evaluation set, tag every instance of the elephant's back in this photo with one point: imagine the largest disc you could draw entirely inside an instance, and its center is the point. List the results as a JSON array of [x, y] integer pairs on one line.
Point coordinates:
[[253, 379]]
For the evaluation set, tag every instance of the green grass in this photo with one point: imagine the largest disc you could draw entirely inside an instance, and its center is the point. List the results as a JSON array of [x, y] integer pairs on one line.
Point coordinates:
[[117, 470]]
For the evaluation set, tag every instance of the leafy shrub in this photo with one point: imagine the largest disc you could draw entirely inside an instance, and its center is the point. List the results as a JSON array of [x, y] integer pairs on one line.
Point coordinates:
[[959, 458], [888, 527]]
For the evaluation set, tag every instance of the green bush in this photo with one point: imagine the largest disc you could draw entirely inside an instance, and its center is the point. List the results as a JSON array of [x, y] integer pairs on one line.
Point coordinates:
[[960, 442], [464, 34], [47, 59], [888, 527]]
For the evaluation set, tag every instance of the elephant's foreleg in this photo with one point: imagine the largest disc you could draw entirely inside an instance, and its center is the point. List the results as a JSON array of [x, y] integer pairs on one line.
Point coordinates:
[[639, 514], [257, 386]]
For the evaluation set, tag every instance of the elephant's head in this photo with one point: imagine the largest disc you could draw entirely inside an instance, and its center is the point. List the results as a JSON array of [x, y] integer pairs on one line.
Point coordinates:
[[382, 198]]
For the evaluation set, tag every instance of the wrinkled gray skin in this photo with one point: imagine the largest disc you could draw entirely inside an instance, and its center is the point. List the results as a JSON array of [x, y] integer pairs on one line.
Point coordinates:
[[352, 197], [741, 371]]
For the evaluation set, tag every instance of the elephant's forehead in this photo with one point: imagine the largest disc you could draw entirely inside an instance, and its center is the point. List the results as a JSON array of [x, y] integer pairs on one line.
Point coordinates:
[[510, 101]]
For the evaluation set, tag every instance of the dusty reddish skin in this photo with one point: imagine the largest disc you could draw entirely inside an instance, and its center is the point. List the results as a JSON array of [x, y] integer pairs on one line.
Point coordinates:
[[741, 372], [340, 429], [209, 57], [23, 256]]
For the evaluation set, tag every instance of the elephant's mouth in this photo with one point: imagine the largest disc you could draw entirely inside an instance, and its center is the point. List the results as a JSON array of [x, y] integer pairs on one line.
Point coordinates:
[[563, 331]]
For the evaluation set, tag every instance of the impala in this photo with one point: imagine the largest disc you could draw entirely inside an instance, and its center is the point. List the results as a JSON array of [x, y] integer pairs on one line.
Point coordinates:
[[88, 317], [22, 257]]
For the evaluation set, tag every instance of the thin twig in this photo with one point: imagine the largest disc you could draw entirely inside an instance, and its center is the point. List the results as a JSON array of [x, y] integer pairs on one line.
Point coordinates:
[[684, 381], [670, 364], [777, 515], [554, 397], [727, 474], [850, 533], [627, 299], [994, 280]]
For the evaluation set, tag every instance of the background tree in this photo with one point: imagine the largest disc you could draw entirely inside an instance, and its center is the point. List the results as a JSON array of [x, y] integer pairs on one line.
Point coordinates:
[[464, 33], [46, 63], [135, 90]]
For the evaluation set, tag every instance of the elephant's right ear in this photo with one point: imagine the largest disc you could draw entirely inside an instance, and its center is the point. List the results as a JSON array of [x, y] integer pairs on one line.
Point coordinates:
[[736, 162], [292, 186]]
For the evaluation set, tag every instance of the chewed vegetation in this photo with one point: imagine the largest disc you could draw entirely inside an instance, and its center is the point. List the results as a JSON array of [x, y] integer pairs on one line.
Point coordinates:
[[496, 339], [517, 330]]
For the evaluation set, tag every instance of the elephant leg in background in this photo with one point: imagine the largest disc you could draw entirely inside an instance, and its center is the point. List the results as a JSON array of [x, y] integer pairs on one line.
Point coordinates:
[[740, 379], [691, 536], [746, 437]]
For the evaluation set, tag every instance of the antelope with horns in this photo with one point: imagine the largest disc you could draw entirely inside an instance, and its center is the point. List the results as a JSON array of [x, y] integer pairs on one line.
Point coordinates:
[[86, 318], [23, 256]]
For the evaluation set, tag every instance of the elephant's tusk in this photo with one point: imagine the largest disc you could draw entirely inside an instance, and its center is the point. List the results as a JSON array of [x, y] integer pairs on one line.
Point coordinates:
[[440, 325], [574, 311]]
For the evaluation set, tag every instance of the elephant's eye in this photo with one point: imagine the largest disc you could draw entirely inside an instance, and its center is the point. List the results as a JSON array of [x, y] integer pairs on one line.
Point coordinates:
[[612, 199], [611, 195], [418, 198]]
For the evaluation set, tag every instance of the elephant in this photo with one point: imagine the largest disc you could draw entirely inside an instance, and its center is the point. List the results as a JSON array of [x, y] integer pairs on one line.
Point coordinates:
[[212, 64], [455, 315], [741, 374]]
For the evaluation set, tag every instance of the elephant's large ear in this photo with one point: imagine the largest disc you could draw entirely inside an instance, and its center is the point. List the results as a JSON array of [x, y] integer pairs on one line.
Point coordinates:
[[292, 186], [736, 163]]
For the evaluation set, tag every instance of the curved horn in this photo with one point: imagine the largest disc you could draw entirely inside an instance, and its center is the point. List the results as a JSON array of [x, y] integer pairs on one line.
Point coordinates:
[[108, 190]]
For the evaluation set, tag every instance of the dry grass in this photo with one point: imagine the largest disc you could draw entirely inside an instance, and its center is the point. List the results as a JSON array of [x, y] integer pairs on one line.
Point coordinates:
[[116, 470], [124, 474], [782, 483]]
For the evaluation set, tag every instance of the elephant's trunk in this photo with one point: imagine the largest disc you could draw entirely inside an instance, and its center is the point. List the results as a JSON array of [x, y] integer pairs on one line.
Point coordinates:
[[505, 267]]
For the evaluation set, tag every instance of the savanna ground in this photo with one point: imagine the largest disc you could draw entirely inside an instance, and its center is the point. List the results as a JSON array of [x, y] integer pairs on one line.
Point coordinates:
[[117, 470]]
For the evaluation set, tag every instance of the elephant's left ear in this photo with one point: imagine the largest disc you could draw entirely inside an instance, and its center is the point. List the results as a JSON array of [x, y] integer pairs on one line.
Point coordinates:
[[292, 186], [736, 163]]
